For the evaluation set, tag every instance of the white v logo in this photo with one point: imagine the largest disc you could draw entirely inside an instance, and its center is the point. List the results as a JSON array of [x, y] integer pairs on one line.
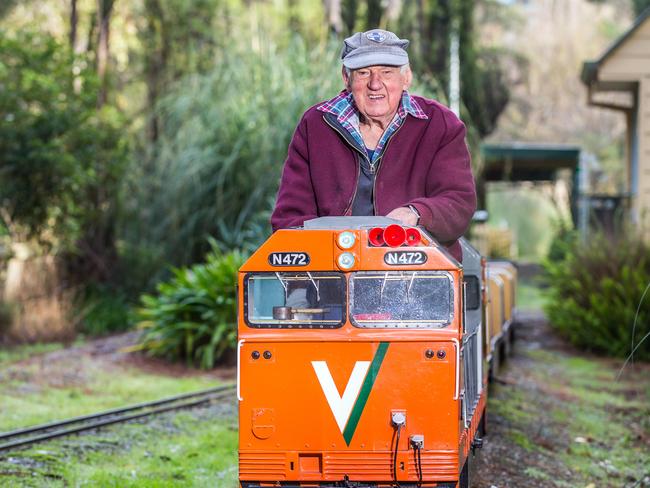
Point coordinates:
[[341, 406]]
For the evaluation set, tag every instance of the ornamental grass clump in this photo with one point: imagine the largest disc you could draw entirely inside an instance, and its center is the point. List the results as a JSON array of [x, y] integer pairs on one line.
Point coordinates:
[[596, 293], [193, 317]]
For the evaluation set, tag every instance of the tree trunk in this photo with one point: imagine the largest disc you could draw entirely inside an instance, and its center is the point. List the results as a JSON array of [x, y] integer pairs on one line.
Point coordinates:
[[393, 10], [155, 63], [104, 8], [349, 14], [74, 20], [373, 14], [437, 41], [333, 15], [422, 33]]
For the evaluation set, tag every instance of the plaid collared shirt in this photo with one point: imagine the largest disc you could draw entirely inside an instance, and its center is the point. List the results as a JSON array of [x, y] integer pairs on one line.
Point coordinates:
[[347, 114]]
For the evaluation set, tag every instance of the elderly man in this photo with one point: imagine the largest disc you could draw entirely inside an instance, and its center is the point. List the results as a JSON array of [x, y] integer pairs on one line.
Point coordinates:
[[376, 150]]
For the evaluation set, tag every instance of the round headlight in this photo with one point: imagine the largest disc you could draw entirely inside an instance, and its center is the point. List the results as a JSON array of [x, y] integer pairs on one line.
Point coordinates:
[[346, 260], [346, 240]]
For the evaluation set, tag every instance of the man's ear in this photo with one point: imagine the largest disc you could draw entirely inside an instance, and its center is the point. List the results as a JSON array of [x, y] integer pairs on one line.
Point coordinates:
[[408, 78], [346, 78]]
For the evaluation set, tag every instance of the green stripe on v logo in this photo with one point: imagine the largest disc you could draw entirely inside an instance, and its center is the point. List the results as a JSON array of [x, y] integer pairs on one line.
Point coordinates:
[[366, 388]]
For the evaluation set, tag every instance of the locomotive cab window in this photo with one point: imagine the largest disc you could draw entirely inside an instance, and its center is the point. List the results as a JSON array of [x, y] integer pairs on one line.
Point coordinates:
[[295, 300], [401, 299]]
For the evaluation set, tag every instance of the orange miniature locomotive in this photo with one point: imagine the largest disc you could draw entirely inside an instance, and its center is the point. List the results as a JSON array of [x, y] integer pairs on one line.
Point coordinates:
[[361, 358]]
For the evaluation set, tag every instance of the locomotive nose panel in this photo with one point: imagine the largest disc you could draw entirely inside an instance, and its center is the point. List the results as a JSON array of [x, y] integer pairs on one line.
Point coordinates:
[[315, 408]]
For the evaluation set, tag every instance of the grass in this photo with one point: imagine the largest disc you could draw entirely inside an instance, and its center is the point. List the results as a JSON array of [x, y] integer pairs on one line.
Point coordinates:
[[46, 389], [183, 449], [18, 353], [529, 296], [571, 412], [197, 447]]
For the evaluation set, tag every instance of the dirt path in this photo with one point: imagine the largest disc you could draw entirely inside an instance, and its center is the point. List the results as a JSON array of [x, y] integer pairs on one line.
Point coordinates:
[[557, 417], [111, 353]]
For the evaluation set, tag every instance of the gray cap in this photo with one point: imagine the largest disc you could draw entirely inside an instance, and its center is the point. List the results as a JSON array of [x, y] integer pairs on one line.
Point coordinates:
[[375, 47]]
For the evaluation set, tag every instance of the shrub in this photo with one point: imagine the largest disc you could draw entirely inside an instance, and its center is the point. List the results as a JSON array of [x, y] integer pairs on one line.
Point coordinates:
[[102, 309], [194, 315], [595, 289]]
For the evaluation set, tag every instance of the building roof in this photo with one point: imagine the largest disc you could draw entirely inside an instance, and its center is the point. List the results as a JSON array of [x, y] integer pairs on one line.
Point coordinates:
[[590, 68], [517, 161]]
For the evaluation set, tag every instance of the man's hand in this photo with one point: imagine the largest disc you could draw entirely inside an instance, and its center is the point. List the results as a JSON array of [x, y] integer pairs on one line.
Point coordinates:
[[405, 215]]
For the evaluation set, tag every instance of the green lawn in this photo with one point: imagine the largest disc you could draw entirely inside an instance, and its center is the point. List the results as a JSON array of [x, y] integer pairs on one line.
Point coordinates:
[[529, 296], [191, 448], [45, 389], [13, 354], [182, 449]]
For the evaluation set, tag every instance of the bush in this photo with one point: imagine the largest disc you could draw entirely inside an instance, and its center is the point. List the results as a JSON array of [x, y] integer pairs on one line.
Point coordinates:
[[102, 309], [194, 315], [595, 290]]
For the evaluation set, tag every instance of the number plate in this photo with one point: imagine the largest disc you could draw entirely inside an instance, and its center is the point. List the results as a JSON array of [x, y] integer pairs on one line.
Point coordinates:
[[289, 259], [401, 258]]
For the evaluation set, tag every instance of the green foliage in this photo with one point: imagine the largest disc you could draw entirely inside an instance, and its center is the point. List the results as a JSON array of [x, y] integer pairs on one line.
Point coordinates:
[[208, 91], [564, 241], [595, 290], [430, 25], [6, 317], [39, 115], [222, 143], [103, 309], [640, 6], [62, 159], [528, 213], [194, 315]]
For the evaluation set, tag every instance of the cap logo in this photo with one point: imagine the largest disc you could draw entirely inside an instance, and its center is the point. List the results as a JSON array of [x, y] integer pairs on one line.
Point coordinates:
[[376, 36]]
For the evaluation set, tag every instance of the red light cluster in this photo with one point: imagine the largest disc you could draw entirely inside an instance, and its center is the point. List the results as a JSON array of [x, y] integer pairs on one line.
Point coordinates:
[[394, 236]]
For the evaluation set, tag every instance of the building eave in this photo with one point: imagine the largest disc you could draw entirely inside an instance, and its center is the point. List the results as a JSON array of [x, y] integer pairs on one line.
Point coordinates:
[[590, 69]]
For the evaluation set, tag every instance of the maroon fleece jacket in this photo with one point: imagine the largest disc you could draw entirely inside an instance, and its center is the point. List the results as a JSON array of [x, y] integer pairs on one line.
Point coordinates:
[[425, 164]]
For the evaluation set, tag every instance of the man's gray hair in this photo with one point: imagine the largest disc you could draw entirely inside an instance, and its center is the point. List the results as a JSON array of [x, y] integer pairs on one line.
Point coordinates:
[[348, 72]]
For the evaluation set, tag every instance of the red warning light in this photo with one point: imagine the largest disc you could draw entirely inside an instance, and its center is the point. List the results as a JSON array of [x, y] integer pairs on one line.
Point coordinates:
[[394, 235], [376, 236], [413, 236]]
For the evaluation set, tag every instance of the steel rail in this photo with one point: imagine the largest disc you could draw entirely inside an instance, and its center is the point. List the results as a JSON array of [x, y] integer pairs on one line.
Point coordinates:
[[116, 415]]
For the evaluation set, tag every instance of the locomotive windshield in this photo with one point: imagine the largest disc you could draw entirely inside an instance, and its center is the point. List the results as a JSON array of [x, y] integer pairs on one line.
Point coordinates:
[[295, 300], [401, 299]]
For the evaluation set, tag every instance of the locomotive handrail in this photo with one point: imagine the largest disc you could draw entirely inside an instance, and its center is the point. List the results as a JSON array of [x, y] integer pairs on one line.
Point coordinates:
[[239, 346], [457, 347]]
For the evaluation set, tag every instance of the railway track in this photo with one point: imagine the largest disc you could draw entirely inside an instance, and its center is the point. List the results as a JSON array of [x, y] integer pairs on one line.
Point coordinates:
[[31, 435]]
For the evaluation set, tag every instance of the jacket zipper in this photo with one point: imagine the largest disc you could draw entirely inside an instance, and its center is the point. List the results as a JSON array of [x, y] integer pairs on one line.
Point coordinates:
[[375, 171], [357, 163]]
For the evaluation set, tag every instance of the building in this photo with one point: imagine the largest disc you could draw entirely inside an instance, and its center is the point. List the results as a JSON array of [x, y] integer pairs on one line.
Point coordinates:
[[620, 80]]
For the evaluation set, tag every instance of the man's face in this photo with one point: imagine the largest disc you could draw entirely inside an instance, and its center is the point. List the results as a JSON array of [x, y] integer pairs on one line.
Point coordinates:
[[377, 90]]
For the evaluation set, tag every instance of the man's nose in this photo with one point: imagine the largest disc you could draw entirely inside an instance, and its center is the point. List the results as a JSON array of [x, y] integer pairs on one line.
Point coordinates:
[[374, 83]]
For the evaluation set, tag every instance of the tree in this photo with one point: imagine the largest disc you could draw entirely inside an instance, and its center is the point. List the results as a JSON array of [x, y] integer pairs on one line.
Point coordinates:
[[38, 114], [61, 159]]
